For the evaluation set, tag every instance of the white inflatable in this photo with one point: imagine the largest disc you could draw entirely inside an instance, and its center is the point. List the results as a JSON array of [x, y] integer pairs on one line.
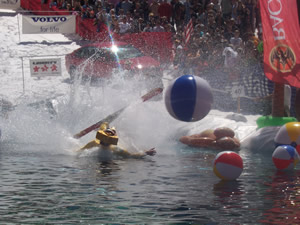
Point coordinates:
[[261, 141]]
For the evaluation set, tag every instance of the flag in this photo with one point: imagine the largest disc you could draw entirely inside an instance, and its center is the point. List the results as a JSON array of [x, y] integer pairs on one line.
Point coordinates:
[[281, 41], [188, 30]]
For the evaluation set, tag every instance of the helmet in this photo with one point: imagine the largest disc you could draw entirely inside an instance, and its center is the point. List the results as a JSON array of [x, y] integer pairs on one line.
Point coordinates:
[[107, 136], [110, 131]]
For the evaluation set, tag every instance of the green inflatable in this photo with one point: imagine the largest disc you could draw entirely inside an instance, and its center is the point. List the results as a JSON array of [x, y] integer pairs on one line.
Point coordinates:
[[270, 121], [260, 47]]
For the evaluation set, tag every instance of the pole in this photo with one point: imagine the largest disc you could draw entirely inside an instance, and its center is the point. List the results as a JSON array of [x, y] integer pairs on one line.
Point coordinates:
[[278, 100], [19, 28], [238, 104], [23, 76]]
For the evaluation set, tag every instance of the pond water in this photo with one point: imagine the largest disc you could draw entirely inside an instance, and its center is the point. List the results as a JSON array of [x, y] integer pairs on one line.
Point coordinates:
[[45, 181], [179, 188]]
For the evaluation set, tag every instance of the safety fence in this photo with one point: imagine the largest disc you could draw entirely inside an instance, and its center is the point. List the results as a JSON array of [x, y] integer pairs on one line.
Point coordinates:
[[155, 44]]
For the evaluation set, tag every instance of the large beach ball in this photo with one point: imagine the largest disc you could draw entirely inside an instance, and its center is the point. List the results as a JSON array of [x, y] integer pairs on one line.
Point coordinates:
[[188, 98], [285, 157], [228, 165], [289, 134]]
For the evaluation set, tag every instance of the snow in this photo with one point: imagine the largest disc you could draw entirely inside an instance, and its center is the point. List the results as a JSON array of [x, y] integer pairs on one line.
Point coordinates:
[[78, 105]]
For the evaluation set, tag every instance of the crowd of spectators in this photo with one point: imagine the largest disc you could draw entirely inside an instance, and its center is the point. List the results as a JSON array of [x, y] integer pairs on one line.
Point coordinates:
[[226, 33], [226, 40]]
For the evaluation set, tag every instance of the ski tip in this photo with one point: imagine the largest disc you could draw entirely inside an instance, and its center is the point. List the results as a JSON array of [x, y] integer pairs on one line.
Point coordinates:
[[151, 94]]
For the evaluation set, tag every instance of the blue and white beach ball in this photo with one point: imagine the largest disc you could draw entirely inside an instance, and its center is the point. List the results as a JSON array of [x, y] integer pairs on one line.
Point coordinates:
[[188, 98], [285, 157]]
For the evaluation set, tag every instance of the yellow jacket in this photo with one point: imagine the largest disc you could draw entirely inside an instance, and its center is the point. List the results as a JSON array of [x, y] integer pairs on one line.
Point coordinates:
[[116, 150]]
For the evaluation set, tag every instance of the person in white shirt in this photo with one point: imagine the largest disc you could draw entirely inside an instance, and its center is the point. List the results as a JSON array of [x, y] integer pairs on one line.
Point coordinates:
[[124, 26], [158, 27], [148, 28], [230, 57]]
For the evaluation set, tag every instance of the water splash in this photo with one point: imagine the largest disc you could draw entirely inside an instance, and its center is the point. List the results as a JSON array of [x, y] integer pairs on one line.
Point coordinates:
[[141, 126]]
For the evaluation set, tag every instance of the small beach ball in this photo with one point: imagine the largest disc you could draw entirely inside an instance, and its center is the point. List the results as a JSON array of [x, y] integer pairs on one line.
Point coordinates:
[[228, 165], [289, 134], [188, 98], [285, 157]]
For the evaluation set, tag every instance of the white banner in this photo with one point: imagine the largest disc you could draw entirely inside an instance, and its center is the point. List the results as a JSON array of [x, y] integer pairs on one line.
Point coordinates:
[[10, 4], [49, 24], [45, 67]]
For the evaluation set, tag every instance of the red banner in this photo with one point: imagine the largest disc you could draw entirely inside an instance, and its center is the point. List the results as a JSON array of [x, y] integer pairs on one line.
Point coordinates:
[[281, 38]]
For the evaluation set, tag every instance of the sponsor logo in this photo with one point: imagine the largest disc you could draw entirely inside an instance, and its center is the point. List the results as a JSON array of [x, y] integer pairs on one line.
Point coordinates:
[[282, 58], [49, 19]]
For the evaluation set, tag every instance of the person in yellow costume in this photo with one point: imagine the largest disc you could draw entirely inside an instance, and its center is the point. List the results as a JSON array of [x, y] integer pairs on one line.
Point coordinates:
[[107, 140]]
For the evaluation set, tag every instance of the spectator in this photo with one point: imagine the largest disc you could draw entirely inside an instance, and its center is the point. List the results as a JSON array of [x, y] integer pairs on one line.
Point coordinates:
[[77, 7], [187, 11], [154, 8], [124, 26], [169, 28], [145, 8], [192, 59], [178, 12], [236, 41], [118, 6], [158, 27], [226, 8], [217, 7], [111, 13], [230, 57], [234, 4], [121, 14], [138, 11], [231, 63], [126, 5], [152, 19], [64, 4], [138, 25], [114, 25], [179, 59], [148, 28], [164, 21], [100, 19], [52, 3], [129, 17], [229, 28]]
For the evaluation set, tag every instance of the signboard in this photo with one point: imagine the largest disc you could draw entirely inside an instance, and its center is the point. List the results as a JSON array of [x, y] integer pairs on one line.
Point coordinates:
[[36, 24], [281, 41], [45, 67], [10, 4]]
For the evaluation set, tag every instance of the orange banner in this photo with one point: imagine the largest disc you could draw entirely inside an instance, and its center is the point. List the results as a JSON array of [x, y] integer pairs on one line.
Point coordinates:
[[281, 39]]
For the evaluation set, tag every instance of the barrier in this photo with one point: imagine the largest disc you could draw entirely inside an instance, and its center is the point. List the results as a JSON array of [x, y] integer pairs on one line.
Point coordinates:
[[155, 44]]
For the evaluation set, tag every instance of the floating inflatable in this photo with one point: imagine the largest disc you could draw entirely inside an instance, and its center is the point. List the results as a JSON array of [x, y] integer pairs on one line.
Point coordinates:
[[270, 121], [222, 138], [285, 157], [228, 165], [289, 134]]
